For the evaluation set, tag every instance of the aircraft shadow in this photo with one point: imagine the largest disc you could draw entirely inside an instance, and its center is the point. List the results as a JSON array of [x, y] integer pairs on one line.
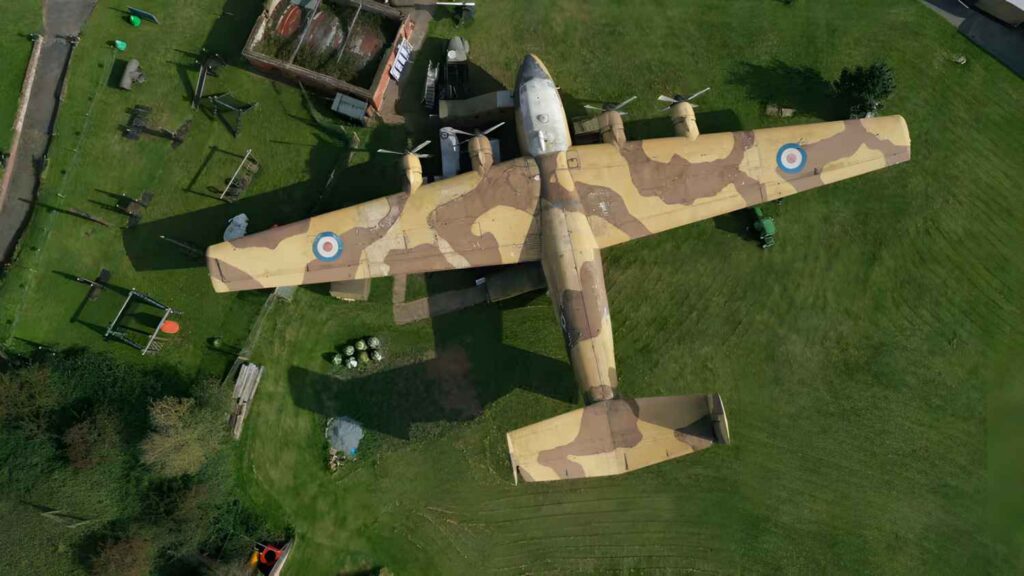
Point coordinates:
[[201, 228], [471, 368]]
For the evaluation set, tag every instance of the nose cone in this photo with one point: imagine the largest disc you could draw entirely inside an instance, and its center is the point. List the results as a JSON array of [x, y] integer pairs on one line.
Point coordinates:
[[531, 69]]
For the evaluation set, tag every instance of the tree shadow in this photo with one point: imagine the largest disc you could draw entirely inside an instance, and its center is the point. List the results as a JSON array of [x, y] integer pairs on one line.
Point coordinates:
[[802, 88], [471, 368]]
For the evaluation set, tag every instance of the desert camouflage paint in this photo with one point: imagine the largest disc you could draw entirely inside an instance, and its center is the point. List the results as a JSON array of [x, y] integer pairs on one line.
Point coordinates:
[[561, 205]]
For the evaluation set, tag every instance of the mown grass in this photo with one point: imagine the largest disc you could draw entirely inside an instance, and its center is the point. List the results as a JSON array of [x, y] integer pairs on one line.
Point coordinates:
[[857, 357], [19, 20]]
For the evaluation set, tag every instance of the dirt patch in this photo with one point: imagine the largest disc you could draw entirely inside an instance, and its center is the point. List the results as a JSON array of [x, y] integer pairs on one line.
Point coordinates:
[[455, 391]]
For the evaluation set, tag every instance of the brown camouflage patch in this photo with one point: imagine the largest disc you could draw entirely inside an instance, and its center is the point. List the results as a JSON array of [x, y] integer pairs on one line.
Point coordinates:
[[679, 181]]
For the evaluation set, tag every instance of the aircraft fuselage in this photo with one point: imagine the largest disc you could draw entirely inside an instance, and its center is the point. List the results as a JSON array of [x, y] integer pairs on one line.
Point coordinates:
[[570, 255]]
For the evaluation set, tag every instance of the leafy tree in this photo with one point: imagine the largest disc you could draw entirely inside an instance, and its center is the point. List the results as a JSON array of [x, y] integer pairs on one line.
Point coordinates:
[[92, 441], [865, 89], [184, 436], [131, 556]]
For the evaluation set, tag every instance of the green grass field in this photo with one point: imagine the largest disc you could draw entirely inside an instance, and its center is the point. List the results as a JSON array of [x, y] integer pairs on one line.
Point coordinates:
[[20, 19], [863, 360]]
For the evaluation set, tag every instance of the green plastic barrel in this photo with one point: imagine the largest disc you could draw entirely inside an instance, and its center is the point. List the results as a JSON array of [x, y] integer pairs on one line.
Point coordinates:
[[121, 45], [135, 20]]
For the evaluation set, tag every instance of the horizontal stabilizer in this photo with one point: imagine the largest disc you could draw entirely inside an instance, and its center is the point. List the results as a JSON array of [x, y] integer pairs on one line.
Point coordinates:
[[617, 436]]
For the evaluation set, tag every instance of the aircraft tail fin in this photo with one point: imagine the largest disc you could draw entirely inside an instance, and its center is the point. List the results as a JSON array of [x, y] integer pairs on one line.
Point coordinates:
[[617, 436]]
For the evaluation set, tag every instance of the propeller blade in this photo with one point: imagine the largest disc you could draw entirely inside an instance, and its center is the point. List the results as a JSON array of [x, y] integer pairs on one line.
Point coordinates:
[[420, 147], [422, 155], [492, 128], [457, 131], [383, 151], [623, 103], [666, 108], [663, 98], [698, 93], [591, 107]]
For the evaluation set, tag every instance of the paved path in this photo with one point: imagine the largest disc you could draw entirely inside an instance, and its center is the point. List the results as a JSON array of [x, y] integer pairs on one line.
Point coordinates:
[[1005, 44], [61, 18]]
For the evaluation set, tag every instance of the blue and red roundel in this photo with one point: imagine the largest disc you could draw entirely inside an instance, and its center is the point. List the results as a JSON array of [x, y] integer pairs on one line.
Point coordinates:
[[327, 247], [791, 158]]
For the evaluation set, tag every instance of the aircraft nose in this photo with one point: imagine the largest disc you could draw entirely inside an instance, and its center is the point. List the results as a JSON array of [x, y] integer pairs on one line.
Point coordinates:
[[531, 68]]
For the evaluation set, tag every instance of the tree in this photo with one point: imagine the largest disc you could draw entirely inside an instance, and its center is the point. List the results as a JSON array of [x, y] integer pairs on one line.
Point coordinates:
[[865, 89], [131, 556], [184, 436], [92, 441]]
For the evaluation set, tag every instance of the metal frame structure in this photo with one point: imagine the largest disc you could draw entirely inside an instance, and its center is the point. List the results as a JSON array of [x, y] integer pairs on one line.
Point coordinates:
[[153, 343]]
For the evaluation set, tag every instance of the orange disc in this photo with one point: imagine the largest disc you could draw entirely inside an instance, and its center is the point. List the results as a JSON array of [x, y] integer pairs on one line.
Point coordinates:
[[170, 327]]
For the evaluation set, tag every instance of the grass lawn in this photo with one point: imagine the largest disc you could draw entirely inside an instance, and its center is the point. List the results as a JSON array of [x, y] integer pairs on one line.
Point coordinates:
[[20, 19], [860, 358], [855, 357]]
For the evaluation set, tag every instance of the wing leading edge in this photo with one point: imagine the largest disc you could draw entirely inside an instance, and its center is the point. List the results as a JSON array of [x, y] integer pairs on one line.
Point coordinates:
[[463, 222], [649, 186]]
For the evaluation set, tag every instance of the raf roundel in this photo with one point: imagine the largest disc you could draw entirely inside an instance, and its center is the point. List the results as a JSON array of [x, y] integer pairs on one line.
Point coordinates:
[[327, 247], [791, 158]]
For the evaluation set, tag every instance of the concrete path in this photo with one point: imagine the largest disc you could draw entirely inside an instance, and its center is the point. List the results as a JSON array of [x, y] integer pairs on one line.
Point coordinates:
[[1005, 44], [62, 19]]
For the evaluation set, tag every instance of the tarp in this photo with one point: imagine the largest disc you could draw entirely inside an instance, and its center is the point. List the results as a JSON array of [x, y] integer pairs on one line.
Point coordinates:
[[344, 434]]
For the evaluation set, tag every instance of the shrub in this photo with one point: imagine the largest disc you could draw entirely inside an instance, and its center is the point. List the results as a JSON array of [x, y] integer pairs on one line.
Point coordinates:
[[865, 89], [131, 556]]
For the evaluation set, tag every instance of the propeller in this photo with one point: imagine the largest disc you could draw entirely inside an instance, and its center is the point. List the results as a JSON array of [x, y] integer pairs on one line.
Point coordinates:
[[611, 106], [475, 132], [414, 151], [676, 99]]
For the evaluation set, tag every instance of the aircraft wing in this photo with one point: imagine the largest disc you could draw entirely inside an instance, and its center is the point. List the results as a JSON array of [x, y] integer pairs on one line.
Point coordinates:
[[616, 436], [649, 186], [463, 222]]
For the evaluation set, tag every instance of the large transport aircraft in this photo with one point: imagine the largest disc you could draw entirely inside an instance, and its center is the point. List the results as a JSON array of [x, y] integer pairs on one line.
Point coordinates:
[[561, 204]]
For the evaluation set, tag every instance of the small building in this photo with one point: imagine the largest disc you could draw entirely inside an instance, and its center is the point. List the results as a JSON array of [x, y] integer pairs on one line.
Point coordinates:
[[332, 46]]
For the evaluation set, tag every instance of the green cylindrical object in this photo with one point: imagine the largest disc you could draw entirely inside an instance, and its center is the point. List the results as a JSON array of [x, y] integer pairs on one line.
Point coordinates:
[[364, 358], [337, 359], [361, 345], [349, 350], [121, 45], [135, 20], [374, 342]]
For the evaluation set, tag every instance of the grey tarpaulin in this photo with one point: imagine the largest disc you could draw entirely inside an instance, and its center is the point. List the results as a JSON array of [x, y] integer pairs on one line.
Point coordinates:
[[344, 434]]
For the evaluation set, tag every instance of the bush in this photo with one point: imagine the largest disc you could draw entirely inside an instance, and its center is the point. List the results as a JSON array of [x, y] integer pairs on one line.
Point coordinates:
[[92, 441], [131, 556], [865, 89]]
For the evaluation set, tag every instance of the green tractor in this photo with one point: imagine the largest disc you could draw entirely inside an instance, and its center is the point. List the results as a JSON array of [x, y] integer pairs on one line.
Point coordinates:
[[765, 227]]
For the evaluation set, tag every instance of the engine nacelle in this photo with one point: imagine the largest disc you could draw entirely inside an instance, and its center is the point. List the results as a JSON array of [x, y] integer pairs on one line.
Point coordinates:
[[684, 120], [412, 173], [611, 129], [480, 154]]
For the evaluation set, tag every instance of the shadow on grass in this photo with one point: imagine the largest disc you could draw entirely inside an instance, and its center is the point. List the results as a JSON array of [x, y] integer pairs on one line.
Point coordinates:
[[471, 368], [148, 251], [802, 88]]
